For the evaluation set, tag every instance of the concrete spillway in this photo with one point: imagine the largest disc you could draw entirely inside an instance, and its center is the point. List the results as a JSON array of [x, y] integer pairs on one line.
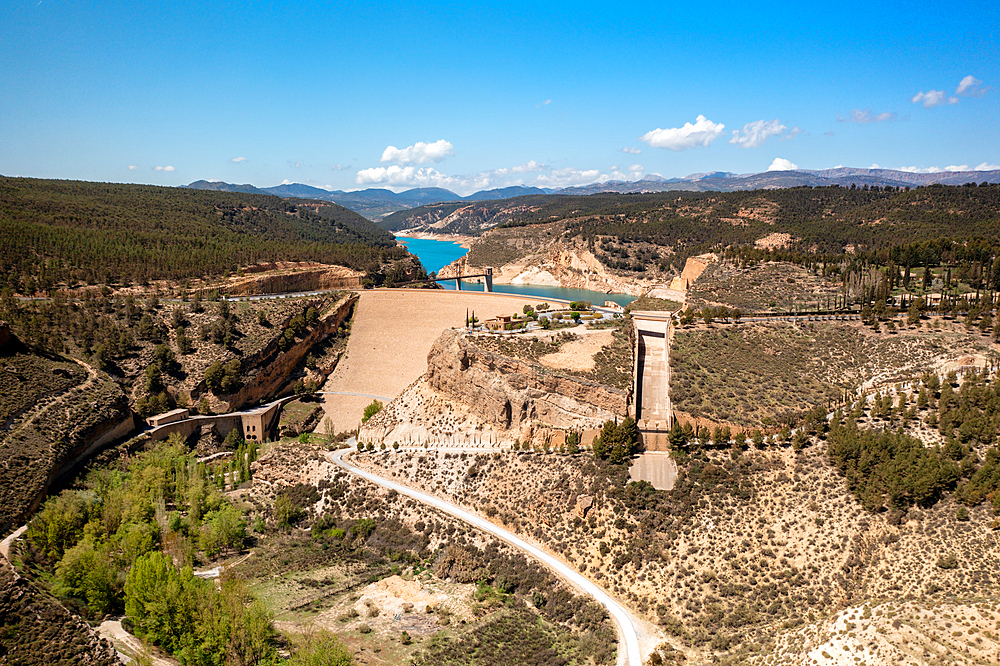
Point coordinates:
[[653, 411]]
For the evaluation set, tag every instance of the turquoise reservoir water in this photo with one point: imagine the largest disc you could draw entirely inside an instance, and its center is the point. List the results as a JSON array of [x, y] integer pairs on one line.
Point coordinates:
[[436, 254], [433, 254]]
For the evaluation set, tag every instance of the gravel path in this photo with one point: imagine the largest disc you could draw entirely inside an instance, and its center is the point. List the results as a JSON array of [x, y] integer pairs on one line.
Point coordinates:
[[628, 646]]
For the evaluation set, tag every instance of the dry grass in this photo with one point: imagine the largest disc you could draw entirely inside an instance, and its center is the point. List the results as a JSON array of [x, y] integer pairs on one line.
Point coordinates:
[[730, 565], [771, 286]]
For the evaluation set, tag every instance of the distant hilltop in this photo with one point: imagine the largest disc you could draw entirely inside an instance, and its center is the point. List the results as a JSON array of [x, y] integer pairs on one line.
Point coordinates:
[[372, 203], [724, 181], [378, 203]]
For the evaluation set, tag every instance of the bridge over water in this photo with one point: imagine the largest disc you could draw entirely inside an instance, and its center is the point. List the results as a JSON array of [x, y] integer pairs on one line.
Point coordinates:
[[487, 274]]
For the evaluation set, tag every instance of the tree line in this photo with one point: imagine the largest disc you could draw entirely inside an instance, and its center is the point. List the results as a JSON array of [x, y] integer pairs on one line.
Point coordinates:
[[66, 232]]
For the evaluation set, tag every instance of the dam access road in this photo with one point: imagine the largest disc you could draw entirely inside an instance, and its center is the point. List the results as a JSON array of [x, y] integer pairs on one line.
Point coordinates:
[[629, 626]]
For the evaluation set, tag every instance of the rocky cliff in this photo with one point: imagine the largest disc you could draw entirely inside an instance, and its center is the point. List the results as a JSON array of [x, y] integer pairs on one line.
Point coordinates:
[[544, 254], [272, 369], [508, 393], [285, 277]]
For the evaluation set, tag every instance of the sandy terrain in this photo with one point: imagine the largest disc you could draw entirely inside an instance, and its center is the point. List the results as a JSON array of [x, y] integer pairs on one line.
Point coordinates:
[[392, 333], [578, 354]]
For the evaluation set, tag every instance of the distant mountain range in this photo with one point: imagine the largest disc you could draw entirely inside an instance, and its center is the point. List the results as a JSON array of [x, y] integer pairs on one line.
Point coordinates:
[[723, 181], [378, 203], [372, 203]]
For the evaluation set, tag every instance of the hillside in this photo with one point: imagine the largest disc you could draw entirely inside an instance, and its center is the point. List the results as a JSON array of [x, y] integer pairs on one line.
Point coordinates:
[[70, 232], [610, 240], [723, 181], [458, 217]]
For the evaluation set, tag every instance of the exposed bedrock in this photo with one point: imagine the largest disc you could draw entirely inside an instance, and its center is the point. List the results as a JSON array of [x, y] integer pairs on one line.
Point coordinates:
[[509, 393]]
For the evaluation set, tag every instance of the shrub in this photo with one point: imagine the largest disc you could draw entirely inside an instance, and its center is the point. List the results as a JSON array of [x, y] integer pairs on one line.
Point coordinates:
[[371, 410]]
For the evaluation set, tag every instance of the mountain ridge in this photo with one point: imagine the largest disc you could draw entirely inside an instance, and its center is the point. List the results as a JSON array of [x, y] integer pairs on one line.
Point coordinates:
[[373, 203], [378, 203]]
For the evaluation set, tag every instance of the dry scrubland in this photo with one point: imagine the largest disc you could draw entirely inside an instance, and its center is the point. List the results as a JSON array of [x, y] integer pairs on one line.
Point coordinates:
[[756, 373], [392, 332], [38, 631], [602, 356], [397, 567], [772, 286], [50, 406], [896, 632], [739, 554]]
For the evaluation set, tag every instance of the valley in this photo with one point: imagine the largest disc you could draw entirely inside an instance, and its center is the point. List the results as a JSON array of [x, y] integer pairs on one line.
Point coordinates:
[[779, 453]]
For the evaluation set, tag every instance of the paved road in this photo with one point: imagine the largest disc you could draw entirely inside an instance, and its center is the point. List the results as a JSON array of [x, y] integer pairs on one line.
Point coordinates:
[[628, 645]]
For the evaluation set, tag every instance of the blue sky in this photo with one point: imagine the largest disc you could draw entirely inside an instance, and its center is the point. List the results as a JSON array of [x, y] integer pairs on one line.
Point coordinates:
[[471, 96]]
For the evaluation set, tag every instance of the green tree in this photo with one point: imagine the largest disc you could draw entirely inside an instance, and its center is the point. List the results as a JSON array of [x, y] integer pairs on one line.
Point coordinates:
[[371, 410], [224, 529], [573, 442], [319, 648]]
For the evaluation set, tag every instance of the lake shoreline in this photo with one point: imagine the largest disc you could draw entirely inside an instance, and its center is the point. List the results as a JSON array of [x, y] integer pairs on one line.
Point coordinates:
[[463, 241]]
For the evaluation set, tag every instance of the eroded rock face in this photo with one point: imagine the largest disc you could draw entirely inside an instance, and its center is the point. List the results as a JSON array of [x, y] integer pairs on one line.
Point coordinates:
[[304, 277], [273, 368], [509, 393]]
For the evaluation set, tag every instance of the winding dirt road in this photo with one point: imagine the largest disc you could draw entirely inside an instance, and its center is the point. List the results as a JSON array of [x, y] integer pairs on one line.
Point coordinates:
[[628, 651]]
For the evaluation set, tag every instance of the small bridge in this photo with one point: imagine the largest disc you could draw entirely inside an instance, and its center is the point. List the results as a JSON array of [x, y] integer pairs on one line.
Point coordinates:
[[488, 274]]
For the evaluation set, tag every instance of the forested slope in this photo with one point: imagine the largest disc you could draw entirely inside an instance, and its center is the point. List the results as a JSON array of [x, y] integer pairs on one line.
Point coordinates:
[[821, 219], [54, 232]]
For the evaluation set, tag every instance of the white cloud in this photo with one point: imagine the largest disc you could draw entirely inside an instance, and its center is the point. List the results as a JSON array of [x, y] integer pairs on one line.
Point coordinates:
[[865, 116], [545, 103], [957, 167], [164, 168], [971, 86], [133, 167], [295, 165], [792, 133], [398, 177], [406, 176], [528, 167], [631, 151], [237, 160], [567, 177], [756, 133], [781, 164], [340, 167], [702, 133], [988, 167], [933, 98], [418, 153]]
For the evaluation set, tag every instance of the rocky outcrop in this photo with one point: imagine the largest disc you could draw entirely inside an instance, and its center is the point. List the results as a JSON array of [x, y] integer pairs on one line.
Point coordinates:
[[275, 367], [282, 279], [508, 393]]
